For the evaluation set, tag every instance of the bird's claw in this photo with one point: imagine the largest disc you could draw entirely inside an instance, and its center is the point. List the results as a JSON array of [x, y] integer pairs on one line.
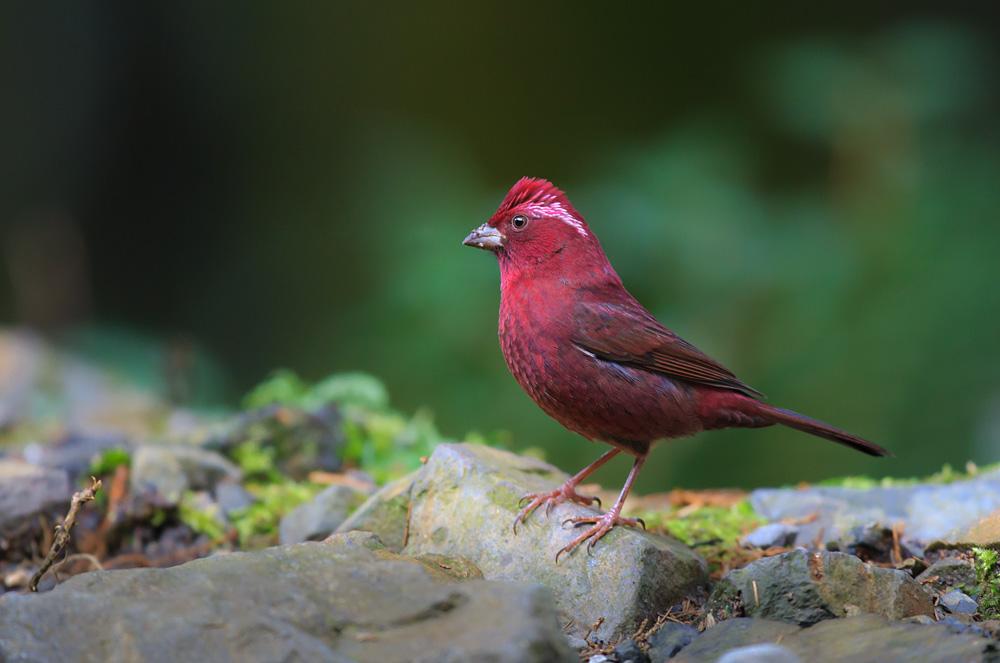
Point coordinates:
[[564, 493], [601, 526]]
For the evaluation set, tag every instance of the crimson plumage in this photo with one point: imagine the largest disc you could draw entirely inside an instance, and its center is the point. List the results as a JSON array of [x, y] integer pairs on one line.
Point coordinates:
[[588, 353]]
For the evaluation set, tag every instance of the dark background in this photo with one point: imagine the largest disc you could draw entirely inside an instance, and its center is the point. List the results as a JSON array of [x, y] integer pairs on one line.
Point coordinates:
[[810, 195]]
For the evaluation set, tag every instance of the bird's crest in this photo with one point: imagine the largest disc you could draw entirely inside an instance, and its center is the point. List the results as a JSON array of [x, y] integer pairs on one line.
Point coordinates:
[[534, 195]]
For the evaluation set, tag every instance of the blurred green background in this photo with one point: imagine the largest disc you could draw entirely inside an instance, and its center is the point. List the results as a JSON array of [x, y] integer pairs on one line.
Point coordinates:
[[201, 194]]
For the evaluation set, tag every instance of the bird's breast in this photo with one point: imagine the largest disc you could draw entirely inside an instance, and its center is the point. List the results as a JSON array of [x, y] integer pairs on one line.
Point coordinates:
[[598, 399]]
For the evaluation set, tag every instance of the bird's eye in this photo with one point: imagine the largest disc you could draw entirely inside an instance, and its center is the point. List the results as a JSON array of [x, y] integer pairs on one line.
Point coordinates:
[[519, 222]]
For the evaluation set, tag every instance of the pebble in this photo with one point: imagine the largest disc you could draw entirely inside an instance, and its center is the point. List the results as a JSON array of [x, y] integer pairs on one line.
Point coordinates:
[[770, 535], [629, 652], [762, 653], [959, 603]]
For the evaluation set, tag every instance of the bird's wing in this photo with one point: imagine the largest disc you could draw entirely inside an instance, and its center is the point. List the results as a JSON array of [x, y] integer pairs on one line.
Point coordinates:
[[627, 334]]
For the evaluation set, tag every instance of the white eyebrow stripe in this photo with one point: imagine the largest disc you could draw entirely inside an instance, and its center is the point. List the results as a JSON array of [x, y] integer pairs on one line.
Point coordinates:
[[557, 211]]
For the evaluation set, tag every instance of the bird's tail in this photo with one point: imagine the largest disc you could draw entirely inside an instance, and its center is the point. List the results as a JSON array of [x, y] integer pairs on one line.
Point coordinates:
[[820, 429]]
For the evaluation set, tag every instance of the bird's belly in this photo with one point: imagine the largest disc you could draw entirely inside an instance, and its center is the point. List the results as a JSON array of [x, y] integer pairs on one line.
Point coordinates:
[[601, 400]]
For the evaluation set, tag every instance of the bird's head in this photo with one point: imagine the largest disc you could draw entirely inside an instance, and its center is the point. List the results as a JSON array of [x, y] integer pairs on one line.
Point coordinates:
[[534, 223]]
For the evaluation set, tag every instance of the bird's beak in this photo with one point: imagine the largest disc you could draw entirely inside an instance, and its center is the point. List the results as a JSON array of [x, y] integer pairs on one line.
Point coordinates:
[[485, 237]]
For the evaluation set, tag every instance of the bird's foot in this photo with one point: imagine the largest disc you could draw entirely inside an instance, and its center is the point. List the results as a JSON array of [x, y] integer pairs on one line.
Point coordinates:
[[564, 493], [601, 526]]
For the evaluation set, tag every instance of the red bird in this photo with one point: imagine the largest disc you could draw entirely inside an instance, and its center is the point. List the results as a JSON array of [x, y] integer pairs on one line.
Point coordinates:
[[588, 353]]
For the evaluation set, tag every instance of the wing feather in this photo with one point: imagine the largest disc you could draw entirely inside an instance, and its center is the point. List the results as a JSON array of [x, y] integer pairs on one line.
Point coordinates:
[[628, 334]]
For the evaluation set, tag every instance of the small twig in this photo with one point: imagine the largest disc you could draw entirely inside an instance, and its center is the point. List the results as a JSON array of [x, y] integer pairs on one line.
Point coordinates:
[[61, 539], [897, 551], [94, 562]]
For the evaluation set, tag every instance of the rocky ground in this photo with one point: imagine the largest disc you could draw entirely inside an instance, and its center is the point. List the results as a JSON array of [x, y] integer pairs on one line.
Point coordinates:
[[319, 524]]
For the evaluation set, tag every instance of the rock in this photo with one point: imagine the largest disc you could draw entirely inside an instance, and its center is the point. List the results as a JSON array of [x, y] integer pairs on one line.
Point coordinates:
[[948, 573], [628, 651], [669, 639], [384, 513], [964, 625], [27, 492], [984, 532], [929, 512], [320, 516], [74, 452], [873, 639], [41, 384], [231, 496], [166, 471], [762, 653], [464, 501], [343, 600], [863, 639], [301, 440], [959, 603], [770, 535], [912, 565], [733, 633], [804, 588]]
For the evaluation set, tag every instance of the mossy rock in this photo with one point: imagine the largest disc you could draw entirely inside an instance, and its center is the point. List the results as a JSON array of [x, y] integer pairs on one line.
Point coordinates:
[[803, 588], [464, 501], [384, 513]]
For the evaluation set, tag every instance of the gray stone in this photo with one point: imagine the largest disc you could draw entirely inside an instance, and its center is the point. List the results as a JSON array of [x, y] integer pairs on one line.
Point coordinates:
[[873, 639], [949, 573], [807, 587], [770, 535], [348, 599], [166, 471], [231, 496], [27, 492], [464, 501], [733, 633], [966, 625], [959, 603], [862, 639], [762, 653], [40, 383], [384, 513], [628, 651], [320, 516], [74, 452], [929, 512], [669, 639]]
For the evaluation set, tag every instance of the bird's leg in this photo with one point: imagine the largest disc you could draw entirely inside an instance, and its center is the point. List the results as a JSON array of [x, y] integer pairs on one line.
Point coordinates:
[[564, 493], [605, 523]]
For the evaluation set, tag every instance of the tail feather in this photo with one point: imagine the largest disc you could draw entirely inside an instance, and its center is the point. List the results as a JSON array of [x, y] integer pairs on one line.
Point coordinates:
[[820, 429]]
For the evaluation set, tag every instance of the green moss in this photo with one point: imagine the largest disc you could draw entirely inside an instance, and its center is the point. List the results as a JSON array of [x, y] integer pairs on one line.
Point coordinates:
[[284, 387], [108, 461], [200, 518], [257, 461], [945, 475], [713, 531], [988, 580], [257, 524], [504, 497], [707, 524]]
